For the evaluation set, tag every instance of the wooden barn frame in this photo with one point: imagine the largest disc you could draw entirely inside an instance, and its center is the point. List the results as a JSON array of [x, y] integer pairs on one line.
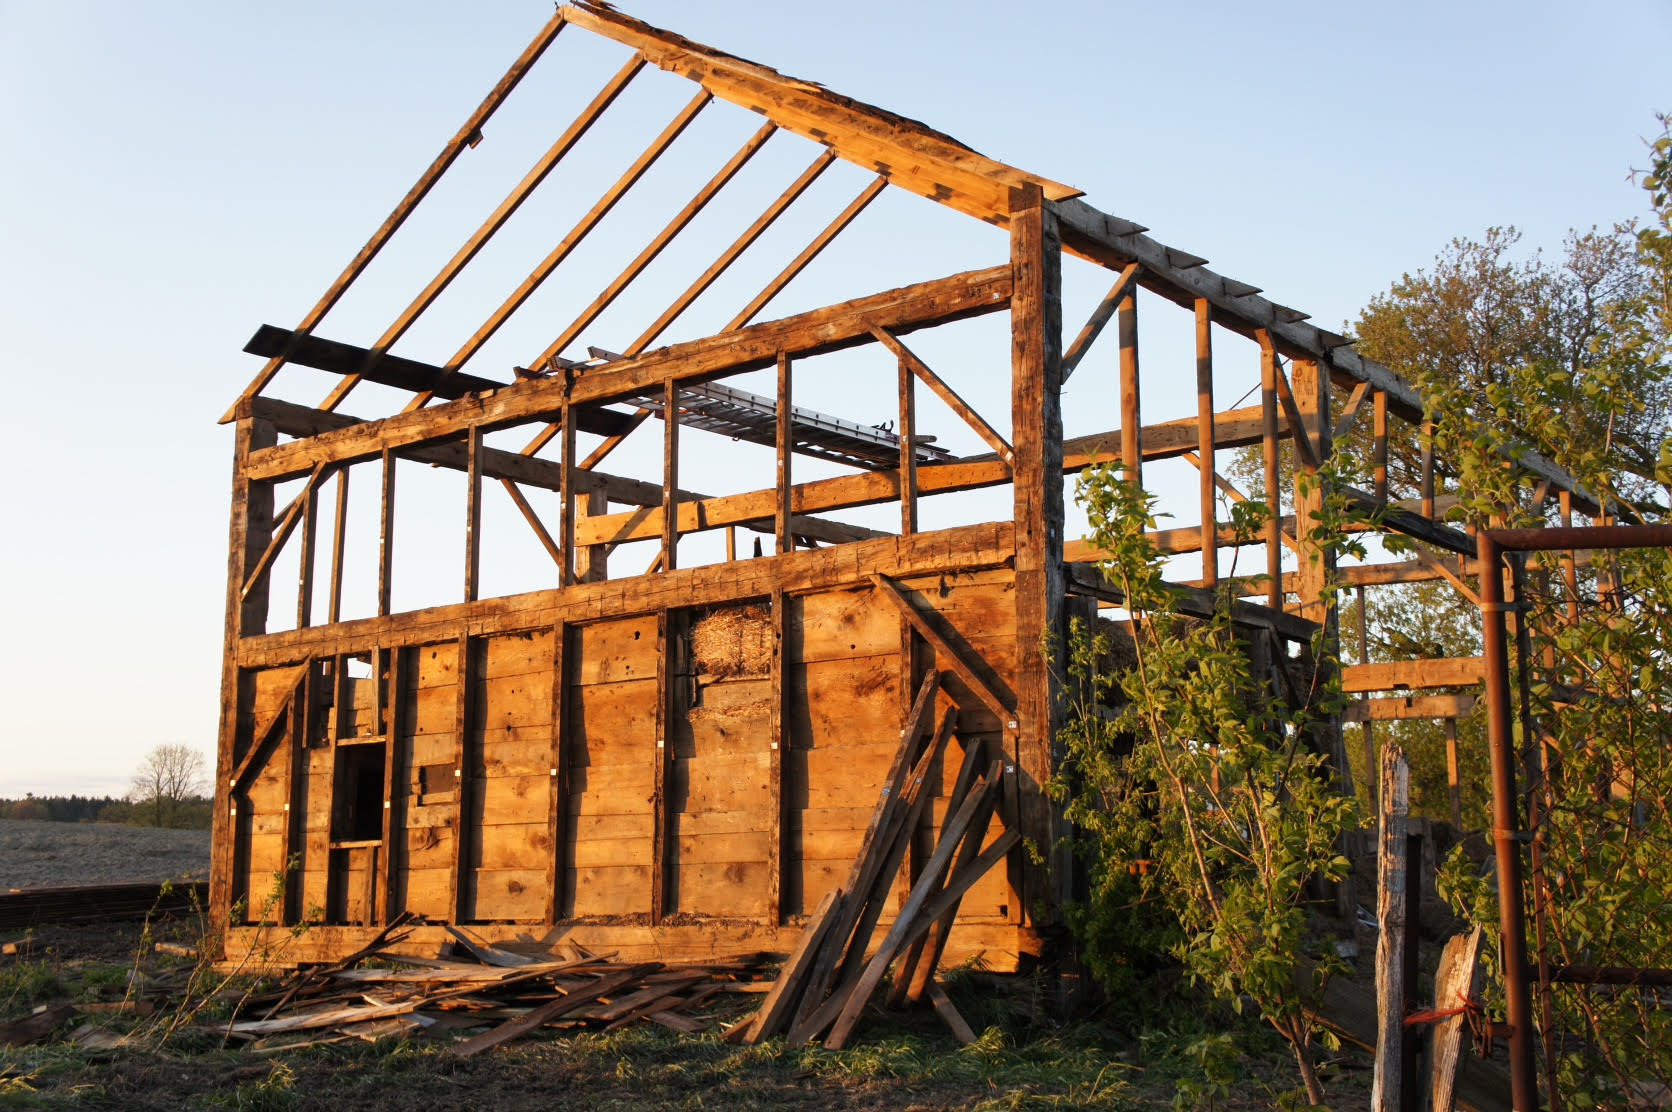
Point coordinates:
[[679, 763]]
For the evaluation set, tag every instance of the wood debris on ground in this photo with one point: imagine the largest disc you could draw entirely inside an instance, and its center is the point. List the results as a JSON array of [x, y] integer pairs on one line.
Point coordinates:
[[834, 972], [488, 993]]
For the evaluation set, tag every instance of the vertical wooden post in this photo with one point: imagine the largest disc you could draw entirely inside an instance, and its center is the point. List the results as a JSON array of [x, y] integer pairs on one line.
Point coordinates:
[[1274, 496], [1428, 469], [305, 573], [661, 820], [592, 560], [1204, 442], [1315, 564], [670, 475], [394, 819], [1570, 567], [294, 818], [1379, 450], [1131, 416], [557, 819], [339, 536], [566, 488], [473, 514], [785, 442], [908, 448], [1453, 982], [386, 536], [1391, 895], [1454, 790], [456, 894], [1370, 763], [779, 743], [249, 530], [1036, 424]]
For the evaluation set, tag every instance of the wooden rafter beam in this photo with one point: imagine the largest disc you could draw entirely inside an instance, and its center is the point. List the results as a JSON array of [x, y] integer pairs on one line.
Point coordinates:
[[909, 154], [1400, 708], [828, 329], [1457, 671]]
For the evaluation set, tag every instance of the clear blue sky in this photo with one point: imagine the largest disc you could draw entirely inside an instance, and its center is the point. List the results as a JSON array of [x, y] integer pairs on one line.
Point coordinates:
[[178, 173]]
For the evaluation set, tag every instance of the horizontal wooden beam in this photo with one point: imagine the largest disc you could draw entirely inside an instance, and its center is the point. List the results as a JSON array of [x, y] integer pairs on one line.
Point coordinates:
[[871, 488], [1398, 709], [831, 328], [1197, 602], [496, 463], [1456, 671], [969, 548]]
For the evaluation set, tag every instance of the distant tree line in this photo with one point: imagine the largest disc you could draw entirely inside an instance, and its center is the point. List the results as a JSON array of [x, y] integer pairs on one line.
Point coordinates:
[[191, 813]]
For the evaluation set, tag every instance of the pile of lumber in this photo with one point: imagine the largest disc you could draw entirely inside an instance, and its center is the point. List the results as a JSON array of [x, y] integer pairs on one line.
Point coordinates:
[[505, 993], [98, 903], [834, 971]]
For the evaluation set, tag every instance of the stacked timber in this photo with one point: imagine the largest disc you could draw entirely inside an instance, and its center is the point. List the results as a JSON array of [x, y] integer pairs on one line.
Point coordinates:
[[834, 971]]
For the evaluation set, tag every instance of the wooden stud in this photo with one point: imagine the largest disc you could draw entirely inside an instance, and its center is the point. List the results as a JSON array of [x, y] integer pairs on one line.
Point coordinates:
[[294, 816], [779, 734], [1454, 789], [847, 216], [1131, 419], [1274, 496], [1391, 899], [1310, 417], [520, 192], [249, 528], [591, 560], [463, 713], [662, 820], [339, 527], [1380, 449], [556, 818], [682, 218], [1204, 448], [394, 802], [1369, 730], [386, 535], [566, 494], [1428, 469], [1570, 573], [907, 431], [1036, 428], [305, 571], [473, 514], [785, 446], [670, 476]]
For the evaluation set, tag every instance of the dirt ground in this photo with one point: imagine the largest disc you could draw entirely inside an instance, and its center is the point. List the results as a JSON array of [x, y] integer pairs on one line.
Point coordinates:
[[48, 854]]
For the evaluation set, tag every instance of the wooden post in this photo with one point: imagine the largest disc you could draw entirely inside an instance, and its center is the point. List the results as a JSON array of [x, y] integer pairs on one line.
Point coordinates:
[[785, 444], [339, 530], [394, 821], [1204, 443], [1036, 430], [1410, 1082], [1131, 419], [250, 529], [1428, 469], [386, 536], [305, 573], [566, 489], [1391, 896], [473, 514], [1370, 763], [1379, 450], [592, 560], [456, 895], [670, 475], [557, 819], [779, 743], [1315, 564], [661, 819], [908, 448], [1454, 789], [1274, 497]]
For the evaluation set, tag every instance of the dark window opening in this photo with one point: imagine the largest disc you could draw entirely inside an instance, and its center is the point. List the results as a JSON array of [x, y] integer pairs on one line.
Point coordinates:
[[359, 794]]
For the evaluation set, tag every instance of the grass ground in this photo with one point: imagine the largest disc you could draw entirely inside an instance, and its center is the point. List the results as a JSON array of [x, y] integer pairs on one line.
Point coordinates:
[[1180, 1055]]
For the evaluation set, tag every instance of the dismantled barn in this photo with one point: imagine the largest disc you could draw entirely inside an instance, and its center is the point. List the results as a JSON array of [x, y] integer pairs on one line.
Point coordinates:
[[666, 734]]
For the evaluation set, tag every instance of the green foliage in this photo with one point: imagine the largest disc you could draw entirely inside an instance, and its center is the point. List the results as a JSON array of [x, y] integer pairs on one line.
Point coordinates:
[[1200, 805]]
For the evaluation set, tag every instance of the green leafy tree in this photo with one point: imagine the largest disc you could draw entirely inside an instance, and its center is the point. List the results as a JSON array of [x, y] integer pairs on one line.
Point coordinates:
[[1200, 804]]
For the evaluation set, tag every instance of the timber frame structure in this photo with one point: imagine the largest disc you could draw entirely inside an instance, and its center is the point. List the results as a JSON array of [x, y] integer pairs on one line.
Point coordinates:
[[680, 762]]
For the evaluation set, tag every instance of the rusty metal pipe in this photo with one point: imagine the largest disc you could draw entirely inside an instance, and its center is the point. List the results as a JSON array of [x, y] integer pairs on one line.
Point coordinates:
[[1506, 826]]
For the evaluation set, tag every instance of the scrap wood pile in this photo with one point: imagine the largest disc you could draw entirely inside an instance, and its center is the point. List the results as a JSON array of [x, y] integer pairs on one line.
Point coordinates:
[[828, 980], [508, 993]]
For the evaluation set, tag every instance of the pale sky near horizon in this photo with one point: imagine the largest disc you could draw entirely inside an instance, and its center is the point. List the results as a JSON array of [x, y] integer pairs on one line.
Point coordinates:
[[177, 174]]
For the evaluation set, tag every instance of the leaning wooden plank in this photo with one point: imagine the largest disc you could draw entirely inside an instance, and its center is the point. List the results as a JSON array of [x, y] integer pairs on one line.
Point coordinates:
[[333, 1017], [563, 1005], [922, 892], [784, 991], [917, 971], [1453, 982], [950, 1015]]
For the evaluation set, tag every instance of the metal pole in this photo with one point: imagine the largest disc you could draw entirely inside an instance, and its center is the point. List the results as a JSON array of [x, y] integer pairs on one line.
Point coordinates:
[[1506, 827]]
